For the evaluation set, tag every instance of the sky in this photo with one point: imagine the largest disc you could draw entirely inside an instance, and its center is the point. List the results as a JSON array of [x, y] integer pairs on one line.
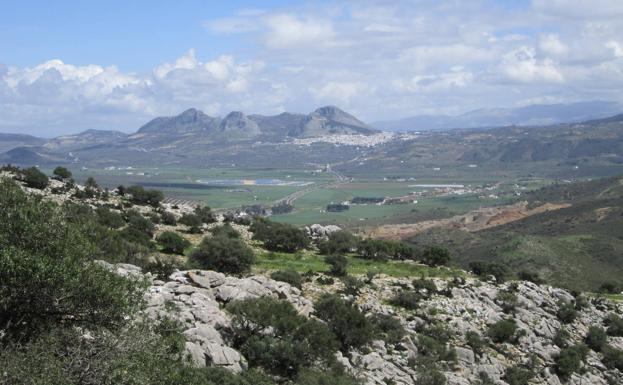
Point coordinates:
[[69, 66]]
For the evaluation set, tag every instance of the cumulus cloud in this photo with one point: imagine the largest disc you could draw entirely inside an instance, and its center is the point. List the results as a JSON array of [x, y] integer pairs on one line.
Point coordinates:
[[372, 58]]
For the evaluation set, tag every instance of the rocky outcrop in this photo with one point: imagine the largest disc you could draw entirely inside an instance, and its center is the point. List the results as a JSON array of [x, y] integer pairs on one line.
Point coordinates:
[[196, 299], [317, 231]]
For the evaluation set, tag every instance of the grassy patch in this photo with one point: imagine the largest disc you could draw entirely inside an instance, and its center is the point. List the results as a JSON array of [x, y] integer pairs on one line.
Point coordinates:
[[303, 262]]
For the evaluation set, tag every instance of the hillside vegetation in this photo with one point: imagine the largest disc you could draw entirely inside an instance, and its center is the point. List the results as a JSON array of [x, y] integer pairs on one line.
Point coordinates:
[[579, 247]]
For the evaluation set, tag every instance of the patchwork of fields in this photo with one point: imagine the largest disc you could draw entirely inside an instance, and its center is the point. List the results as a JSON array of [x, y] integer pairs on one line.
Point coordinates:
[[317, 188]]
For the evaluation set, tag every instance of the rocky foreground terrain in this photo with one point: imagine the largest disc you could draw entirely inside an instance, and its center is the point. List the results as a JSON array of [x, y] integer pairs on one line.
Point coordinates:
[[463, 308]]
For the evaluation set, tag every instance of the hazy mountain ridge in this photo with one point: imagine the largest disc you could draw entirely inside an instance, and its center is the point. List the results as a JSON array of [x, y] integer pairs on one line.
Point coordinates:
[[238, 125], [536, 114]]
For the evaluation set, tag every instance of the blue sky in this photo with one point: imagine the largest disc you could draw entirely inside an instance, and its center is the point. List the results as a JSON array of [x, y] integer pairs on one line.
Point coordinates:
[[67, 66]]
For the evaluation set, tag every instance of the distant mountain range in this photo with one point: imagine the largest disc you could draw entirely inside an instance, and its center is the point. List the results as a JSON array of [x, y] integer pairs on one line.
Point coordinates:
[[237, 125], [193, 138], [532, 115]]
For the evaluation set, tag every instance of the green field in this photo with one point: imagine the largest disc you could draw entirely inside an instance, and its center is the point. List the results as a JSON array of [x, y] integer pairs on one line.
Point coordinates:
[[324, 188]]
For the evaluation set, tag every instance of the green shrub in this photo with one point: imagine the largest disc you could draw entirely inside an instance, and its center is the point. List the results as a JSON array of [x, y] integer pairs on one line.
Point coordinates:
[[516, 375], [172, 242], [108, 218], [168, 218], [226, 255], [205, 214], [352, 285], [61, 173], [193, 221], [271, 334], [561, 339], [596, 338], [338, 264], [388, 328], [407, 299], [475, 341], [507, 301], [569, 360], [436, 256], [333, 377], [374, 249], [141, 196], [225, 230], [338, 242], [46, 278], [610, 287], [566, 312], [290, 276], [279, 236], [484, 269], [530, 276], [424, 284], [431, 376], [348, 323], [502, 331], [615, 325], [35, 178], [612, 357]]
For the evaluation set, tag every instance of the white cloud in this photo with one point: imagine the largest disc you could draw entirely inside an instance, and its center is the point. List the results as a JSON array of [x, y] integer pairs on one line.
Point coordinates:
[[523, 66], [285, 31], [379, 59], [550, 44]]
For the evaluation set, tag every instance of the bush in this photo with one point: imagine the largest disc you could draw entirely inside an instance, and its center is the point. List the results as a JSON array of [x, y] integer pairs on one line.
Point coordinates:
[[484, 269], [172, 242], [168, 218], [338, 242], [610, 287], [279, 236], [530, 276], [334, 377], [226, 255], [374, 249], [108, 218], [388, 328], [225, 230], [425, 284], [338, 264], [502, 331], [436, 256], [507, 300], [566, 312], [615, 325], [205, 214], [46, 277], [475, 342], [35, 178], [407, 299], [141, 196], [569, 360], [596, 338], [516, 375], [271, 334], [352, 328], [352, 285], [612, 357], [191, 220], [431, 376], [62, 173], [290, 276]]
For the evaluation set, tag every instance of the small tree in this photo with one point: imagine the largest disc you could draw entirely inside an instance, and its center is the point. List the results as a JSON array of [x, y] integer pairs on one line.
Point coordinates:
[[570, 360], [172, 242], [61, 173], [338, 264], [502, 331], [226, 255], [596, 338], [290, 276], [436, 256], [35, 178], [349, 324]]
